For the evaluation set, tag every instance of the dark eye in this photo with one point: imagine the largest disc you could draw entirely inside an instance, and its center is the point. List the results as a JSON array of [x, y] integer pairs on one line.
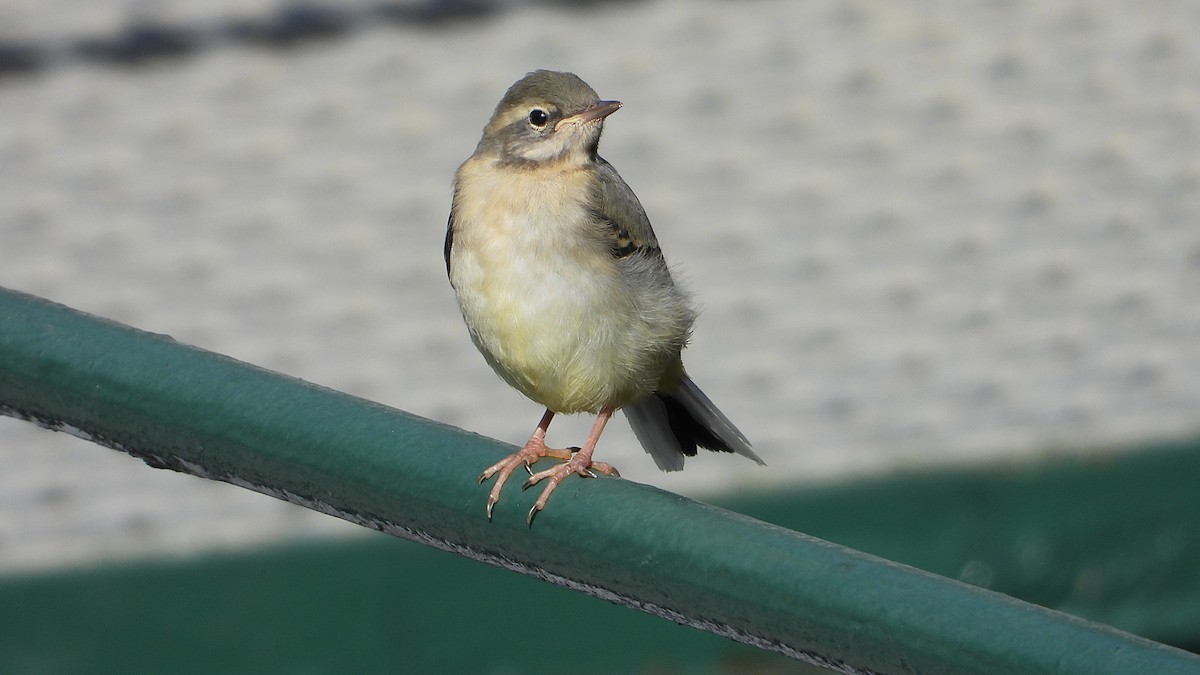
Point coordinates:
[[538, 118]]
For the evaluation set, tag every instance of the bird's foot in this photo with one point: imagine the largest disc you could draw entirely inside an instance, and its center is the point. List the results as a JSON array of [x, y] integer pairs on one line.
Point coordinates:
[[580, 464], [534, 450]]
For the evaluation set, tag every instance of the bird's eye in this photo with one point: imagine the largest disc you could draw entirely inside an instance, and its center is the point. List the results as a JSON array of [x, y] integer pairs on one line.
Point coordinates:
[[538, 118]]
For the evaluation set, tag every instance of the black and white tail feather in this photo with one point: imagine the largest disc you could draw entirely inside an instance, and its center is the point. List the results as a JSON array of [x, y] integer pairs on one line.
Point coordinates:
[[671, 426]]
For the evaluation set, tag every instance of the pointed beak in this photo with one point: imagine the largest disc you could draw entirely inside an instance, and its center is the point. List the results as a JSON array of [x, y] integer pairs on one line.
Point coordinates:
[[599, 111]]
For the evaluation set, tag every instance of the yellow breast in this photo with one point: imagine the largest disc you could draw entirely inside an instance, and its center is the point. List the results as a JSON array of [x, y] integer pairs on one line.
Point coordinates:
[[542, 296]]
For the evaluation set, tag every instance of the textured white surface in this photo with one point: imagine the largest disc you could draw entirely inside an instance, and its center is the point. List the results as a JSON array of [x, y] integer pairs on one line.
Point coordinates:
[[964, 233]]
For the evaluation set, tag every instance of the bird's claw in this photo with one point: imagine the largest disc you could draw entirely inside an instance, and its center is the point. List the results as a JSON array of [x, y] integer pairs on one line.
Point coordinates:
[[525, 457], [605, 468], [576, 461]]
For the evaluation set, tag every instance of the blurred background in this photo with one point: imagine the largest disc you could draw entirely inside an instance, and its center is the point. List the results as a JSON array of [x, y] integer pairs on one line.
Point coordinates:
[[956, 234]]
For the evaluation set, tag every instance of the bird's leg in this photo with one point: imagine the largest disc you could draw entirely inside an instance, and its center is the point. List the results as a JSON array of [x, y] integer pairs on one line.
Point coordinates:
[[581, 463], [533, 450]]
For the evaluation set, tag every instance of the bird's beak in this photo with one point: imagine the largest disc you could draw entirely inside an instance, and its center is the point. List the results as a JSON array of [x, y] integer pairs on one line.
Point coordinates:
[[599, 111]]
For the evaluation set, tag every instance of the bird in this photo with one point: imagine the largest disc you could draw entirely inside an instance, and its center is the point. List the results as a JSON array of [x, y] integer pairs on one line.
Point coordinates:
[[565, 291]]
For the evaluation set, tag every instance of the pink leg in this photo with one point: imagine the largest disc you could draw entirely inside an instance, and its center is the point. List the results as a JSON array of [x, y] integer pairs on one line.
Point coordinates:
[[534, 450], [581, 464]]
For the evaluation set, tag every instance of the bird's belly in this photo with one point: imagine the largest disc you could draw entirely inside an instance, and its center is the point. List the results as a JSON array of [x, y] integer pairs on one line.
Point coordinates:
[[553, 327]]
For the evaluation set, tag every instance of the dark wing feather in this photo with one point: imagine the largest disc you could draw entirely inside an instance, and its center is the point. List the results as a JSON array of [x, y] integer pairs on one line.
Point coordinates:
[[628, 228], [449, 241]]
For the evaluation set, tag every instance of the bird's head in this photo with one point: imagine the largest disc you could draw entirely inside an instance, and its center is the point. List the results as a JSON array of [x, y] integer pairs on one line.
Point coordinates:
[[547, 117]]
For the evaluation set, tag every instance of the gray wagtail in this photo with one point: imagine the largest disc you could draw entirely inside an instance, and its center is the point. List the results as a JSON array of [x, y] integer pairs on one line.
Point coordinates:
[[565, 291]]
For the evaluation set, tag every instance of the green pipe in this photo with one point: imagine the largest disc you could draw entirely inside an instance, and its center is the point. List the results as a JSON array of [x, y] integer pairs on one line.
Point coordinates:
[[189, 410]]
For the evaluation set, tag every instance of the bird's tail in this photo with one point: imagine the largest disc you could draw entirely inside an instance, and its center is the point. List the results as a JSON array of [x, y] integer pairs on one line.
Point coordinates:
[[671, 426]]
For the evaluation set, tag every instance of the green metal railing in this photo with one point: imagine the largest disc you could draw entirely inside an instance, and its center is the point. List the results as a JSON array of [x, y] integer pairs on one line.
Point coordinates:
[[182, 408]]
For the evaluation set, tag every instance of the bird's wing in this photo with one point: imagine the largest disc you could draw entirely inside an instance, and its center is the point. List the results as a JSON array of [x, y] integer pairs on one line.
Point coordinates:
[[628, 228], [449, 241]]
